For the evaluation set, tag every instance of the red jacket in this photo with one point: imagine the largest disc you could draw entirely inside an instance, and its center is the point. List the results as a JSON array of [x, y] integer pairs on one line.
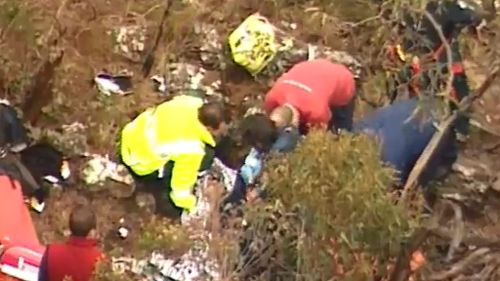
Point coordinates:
[[76, 259], [313, 88]]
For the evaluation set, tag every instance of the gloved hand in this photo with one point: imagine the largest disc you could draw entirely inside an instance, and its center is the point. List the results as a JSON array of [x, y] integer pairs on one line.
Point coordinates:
[[252, 167], [287, 140]]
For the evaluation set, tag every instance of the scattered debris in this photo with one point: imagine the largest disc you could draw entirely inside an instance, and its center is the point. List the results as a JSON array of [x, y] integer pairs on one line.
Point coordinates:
[[211, 50], [109, 84], [467, 172], [36, 205], [123, 232], [160, 84], [284, 60], [185, 77], [129, 40], [100, 168], [194, 265], [254, 110], [225, 175]]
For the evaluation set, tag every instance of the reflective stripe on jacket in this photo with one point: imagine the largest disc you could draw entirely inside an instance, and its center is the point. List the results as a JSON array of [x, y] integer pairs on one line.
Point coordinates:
[[168, 132]]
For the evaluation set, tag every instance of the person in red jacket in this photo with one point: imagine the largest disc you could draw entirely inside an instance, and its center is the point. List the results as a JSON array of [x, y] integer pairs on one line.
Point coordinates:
[[315, 93], [75, 259]]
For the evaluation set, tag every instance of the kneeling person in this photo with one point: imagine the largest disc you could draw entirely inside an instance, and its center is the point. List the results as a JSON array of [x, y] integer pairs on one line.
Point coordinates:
[[404, 138], [174, 141], [315, 93]]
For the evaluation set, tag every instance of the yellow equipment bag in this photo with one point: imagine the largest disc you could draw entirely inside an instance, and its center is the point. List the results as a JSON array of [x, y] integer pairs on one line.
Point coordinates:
[[253, 44]]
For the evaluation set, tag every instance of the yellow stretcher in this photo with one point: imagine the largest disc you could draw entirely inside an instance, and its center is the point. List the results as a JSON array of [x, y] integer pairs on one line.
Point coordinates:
[[253, 44]]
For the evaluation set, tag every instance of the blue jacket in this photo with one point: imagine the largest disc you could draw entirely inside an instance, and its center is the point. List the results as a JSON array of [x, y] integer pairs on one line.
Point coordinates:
[[403, 140]]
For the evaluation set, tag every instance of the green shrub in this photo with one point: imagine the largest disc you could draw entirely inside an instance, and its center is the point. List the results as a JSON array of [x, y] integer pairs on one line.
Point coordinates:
[[340, 189]]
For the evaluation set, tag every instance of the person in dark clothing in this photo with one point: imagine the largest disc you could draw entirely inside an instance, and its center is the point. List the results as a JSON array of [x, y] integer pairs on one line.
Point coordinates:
[[77, 258], [14, 135], [35, 163], [403, 140], [423, 43]]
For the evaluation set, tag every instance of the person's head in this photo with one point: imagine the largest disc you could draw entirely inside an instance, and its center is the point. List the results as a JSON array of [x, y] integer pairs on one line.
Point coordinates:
[[258, 131], [82, 221], [282, 116], [212, 115]]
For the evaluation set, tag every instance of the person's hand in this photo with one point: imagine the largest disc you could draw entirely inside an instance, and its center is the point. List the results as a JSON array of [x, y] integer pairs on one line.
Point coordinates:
[[252, 195]]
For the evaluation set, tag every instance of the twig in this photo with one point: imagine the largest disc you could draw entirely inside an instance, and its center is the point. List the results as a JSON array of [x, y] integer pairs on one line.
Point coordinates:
[[56, 19], [460, 266], [449, 58], [482, 127], [459, 230], [442, 130]]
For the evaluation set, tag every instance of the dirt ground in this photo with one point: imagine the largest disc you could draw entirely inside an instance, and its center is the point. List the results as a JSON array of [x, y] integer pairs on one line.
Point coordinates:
[[88, 42]]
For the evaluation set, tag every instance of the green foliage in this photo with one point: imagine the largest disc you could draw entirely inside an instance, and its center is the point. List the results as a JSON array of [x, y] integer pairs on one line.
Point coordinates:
[[164, 236], [340, 188]]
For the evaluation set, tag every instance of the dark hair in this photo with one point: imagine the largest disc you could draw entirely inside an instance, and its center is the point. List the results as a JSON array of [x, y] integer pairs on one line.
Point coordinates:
[[258, 131], [81, 221], [212, 114]]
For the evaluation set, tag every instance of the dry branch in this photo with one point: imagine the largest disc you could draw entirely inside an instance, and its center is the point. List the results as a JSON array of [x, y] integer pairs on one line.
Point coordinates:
[[443, 128], [461, 266]]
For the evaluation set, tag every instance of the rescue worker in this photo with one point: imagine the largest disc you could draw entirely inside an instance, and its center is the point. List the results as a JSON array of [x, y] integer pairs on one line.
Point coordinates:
[[403, 140], [316, 93], [171, 143], [76, 259], [425, 45]]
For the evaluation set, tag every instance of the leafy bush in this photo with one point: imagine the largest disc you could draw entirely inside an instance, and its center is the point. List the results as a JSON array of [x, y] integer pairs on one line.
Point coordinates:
[[339, 188]]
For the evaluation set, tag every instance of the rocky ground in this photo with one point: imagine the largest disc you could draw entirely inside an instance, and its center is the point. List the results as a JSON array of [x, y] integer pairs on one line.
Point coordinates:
[[114, 35]]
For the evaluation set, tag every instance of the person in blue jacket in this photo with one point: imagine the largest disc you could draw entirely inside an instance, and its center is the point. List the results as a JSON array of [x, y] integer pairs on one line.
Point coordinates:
[[403, 139]]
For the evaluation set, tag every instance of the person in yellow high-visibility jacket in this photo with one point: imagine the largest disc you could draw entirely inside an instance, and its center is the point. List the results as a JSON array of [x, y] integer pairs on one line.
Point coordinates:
[[172, 138]]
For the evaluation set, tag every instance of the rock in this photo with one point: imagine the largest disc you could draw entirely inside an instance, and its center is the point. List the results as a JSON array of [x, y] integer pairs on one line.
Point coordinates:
[[496, 184], [145, 201], [120, 190]]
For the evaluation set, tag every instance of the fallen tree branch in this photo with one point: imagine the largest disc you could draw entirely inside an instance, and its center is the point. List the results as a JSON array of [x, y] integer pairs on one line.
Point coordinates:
[[460, 266], [423, 160]]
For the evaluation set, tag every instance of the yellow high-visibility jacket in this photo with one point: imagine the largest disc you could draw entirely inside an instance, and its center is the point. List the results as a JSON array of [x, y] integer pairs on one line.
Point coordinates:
[[168, 132]]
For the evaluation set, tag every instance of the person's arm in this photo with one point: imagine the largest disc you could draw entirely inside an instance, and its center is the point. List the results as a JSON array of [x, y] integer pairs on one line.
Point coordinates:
[[42, 271], [270, 101], [319, 120], [184, 176]]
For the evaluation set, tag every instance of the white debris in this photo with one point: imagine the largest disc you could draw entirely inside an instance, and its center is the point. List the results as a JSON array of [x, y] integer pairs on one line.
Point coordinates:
[[74, 127], [109, 84], [467, 172], [123, 232], [254, 110], [185, 76], [130, 40], [100, 168], [161, 84], [211, 49], [201, 212], [193, 266], [294, 53]]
